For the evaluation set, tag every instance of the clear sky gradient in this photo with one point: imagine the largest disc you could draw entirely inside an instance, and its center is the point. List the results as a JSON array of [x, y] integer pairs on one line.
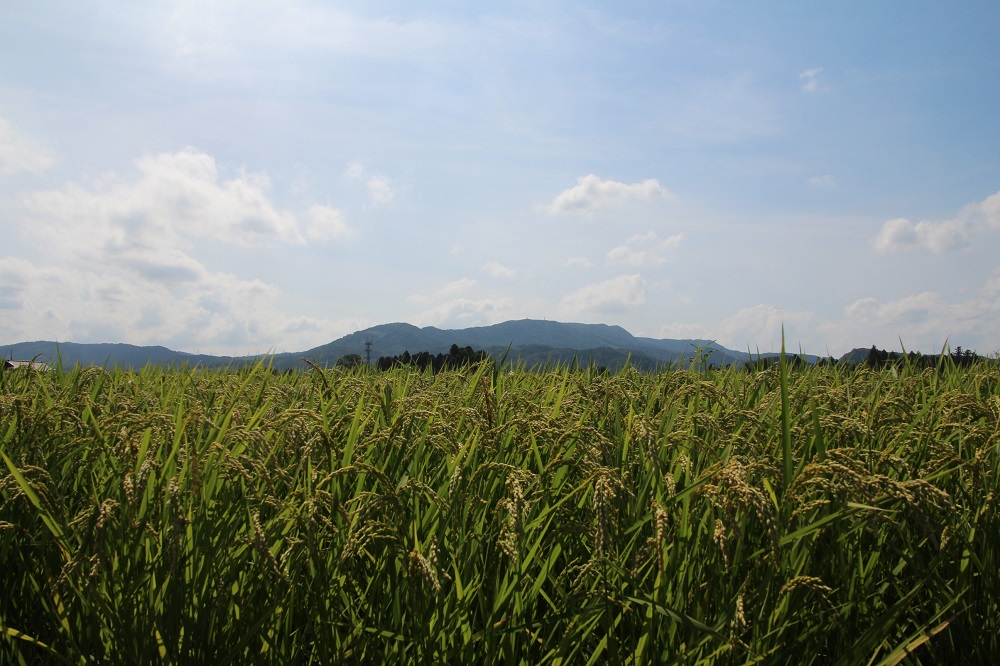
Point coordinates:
[[239, 177]]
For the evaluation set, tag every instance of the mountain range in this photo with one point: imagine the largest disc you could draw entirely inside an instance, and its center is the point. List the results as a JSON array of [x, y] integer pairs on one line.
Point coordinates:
[[528, 341]]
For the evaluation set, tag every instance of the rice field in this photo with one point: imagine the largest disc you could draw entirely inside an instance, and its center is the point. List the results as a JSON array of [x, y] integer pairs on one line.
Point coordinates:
[[486, 515]]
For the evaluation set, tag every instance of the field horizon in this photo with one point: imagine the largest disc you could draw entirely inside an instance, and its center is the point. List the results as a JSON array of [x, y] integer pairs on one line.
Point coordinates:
[[534, 341]]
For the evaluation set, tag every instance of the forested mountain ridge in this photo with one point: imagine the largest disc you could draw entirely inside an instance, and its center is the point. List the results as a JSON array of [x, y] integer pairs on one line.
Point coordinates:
[[532, 341], [529, 341]]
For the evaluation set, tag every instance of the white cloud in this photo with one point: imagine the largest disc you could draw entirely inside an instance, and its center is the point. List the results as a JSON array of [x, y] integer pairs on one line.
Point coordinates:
[[758, 328], [354, 171], [614, 296], [897, 234], [379, 187], [218, 313], [826, 181], [900, 234], [672, 241], [925, 321], [299, 333], [231, 33], [465, 312], [120, 259], [992, 287], [498, 270], [680, 331], [639, 250], [809, 80], [623, 254], [177, 197], [922, 322], [578, 262], [326, 223], [380, 190], [925, 314], [18, 153], [908, 310], [861, 308], [212, 312], [449, 290], [647, 237], [990, 210], [591, 193], [458, 286]]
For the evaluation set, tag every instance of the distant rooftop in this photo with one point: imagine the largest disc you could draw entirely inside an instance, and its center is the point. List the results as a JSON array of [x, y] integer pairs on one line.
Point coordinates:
[[27, 365]]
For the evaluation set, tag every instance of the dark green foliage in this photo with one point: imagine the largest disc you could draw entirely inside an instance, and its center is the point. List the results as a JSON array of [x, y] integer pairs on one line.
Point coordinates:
[[457, 357], [350, 361]]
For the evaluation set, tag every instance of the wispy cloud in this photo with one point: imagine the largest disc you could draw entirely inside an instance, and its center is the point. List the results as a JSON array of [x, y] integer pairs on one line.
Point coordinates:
[[642, 250], [380, 188], [578, 262], [458, 286], [681, 331], [826, 181], [992, 287], [354, 171], [591, 193], [723, 110], [498, 270], [672, 241], [810, 81], [623, 254], [219, 35], [18, 153], [449, 290]]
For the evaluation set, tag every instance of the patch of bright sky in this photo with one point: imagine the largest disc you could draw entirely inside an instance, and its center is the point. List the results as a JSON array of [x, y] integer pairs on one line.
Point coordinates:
[[236, 177]]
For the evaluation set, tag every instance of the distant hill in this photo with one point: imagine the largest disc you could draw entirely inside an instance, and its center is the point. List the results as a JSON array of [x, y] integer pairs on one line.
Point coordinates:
[[855, 356], [528, 341], [108, 354], [532, 341]]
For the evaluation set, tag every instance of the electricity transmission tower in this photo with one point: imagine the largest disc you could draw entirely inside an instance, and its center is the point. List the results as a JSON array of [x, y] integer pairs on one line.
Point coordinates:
[[368, 351]]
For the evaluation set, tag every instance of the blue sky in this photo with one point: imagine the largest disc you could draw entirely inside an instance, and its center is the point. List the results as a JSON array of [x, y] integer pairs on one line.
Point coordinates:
[[235, 178]]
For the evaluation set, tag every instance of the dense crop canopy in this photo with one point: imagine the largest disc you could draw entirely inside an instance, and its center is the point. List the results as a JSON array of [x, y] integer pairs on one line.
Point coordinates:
[[481, 515]]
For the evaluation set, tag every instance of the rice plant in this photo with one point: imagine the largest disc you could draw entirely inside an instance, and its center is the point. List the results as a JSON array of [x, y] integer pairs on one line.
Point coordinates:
[[807, 515]]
